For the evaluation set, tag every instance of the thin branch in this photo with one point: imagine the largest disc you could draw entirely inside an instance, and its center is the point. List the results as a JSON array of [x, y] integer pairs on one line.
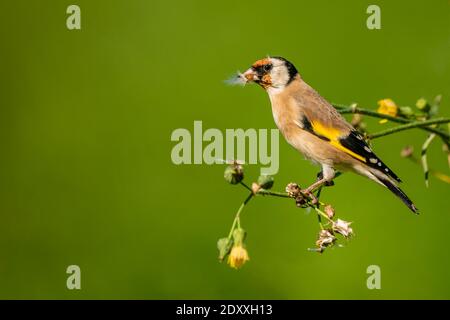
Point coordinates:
[[343, 109], [321, 213], [285, 194], [238, 215], [246, 186], [273, 193], [415, 124], [424, 158]]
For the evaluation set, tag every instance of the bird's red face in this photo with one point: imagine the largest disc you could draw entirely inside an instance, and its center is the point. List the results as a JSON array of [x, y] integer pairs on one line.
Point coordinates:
[[275, 72], [260, 73]]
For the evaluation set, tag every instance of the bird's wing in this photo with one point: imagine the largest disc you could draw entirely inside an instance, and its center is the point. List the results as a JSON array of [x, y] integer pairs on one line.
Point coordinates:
[[348, 141]]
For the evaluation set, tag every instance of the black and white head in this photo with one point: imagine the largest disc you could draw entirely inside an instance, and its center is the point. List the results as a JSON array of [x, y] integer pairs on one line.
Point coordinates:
[[271, 72]]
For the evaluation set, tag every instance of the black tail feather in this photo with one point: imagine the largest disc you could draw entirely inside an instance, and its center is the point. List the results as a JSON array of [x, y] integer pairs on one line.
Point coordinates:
[[399, 193]]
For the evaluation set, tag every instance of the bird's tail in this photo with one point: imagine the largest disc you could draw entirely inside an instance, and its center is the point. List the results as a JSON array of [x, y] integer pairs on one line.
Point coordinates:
[[398, 192]]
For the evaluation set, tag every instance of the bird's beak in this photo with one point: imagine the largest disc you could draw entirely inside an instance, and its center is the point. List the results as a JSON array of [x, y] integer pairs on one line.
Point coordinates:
[[250, 75]]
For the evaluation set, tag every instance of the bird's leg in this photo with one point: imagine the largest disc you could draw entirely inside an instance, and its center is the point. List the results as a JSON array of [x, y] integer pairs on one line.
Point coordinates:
[[325, 177], [327, 183], [308, 191]]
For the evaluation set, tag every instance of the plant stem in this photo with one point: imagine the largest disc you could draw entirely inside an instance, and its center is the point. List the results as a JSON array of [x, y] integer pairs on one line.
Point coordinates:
[[319, 191], [238, 214], [246, 186], [273, 193], [284, 194], [415, 124], [322, 213], [342, 109]]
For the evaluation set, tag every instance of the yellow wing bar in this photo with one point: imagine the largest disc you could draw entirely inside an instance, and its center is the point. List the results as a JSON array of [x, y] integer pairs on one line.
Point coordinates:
[[333, 135]]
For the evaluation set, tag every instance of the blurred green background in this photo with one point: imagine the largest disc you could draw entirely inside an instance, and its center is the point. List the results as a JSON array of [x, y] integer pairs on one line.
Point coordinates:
[[86, 176]]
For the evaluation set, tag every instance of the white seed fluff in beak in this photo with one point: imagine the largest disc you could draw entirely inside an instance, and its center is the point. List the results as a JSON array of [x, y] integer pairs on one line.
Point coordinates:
[[237, 80]]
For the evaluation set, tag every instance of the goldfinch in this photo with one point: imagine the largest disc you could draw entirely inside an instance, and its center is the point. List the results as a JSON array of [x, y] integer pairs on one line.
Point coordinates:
[[313, 126]]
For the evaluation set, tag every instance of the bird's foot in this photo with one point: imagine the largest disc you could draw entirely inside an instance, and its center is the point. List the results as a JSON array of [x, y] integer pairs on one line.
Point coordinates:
[[308, 195]]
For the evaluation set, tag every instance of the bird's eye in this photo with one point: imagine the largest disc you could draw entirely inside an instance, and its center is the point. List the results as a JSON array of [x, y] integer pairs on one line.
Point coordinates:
[[267, 67]]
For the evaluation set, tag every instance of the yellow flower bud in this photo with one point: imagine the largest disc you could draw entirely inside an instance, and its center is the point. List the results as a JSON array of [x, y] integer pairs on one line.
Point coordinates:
[[422, 104], [238, 256], [387, 107]]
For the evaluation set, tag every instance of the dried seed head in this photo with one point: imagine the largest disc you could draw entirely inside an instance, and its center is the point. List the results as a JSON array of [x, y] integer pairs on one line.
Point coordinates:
[[265, 181], [234, 173], [325, 239], [293, 190], [329, 211], [407, 152], [301, 201], [343, 227]]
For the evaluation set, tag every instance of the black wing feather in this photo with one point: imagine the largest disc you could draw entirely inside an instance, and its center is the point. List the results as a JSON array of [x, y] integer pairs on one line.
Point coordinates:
[[355, 142]]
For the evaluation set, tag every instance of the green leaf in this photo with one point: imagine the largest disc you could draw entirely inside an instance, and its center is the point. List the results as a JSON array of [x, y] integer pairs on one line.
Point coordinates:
[[239, 235], [224, 246]]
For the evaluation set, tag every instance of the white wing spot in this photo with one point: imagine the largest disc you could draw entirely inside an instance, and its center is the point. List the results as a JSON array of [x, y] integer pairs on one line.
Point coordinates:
[[379, 164], [373, 160], [386, 169], [367, 149]]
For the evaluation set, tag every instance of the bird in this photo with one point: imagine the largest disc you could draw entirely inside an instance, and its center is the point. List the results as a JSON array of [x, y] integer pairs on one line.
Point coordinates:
[[316, 129]]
